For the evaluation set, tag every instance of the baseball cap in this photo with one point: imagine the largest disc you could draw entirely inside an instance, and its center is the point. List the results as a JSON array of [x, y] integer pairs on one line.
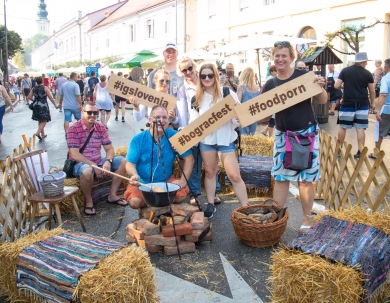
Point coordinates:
[[170, 45]]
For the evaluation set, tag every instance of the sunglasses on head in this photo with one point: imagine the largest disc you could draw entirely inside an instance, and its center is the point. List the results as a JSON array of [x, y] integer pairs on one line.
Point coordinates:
[[90, 112], [184, 71], [203, 76], [162, 81], [284, 43]]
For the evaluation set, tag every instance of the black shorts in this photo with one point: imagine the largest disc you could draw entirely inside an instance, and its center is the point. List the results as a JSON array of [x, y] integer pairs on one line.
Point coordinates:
[[26, 91], [119, 99]]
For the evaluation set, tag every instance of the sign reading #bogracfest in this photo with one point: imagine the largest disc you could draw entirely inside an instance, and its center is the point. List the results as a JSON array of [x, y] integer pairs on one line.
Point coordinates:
[[277, 99], [145, 95], [204, 125]]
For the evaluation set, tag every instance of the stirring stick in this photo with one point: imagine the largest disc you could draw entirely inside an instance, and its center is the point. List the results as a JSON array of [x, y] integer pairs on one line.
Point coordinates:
[[153, 188]]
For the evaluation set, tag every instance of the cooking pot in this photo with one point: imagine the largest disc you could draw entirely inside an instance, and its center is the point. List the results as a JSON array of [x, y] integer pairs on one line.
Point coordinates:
[[160, 199]]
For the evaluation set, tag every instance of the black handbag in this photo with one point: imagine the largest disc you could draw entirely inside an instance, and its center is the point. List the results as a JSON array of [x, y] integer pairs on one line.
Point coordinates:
[[69, 164], [31, 105]]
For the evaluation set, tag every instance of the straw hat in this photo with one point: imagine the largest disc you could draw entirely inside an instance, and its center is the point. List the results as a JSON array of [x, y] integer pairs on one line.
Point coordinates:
[[361, 57]]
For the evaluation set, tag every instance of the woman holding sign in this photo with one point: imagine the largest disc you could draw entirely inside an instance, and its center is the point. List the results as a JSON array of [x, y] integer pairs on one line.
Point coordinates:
[[220, 143], [161, 81], [300, 120]]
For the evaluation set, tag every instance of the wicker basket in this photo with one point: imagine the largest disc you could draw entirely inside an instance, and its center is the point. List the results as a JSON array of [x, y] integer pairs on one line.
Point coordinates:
[[257, 234], [53, 183]]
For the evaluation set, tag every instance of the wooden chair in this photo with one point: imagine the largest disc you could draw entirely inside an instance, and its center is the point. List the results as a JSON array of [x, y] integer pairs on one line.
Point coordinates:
[[34, 190]]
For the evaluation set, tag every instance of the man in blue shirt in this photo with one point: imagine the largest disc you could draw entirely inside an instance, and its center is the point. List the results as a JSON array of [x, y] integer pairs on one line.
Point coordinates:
[[383, 107], [143, 169]]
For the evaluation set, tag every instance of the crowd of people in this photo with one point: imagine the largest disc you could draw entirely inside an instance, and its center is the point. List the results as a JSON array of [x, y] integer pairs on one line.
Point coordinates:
[[150, 156]]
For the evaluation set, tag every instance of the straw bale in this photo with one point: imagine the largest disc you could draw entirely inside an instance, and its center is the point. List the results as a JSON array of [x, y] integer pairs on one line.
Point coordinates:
[[257, 145], [357, 214], [304, 278], [121, 151], [124, 276], [9, 253]]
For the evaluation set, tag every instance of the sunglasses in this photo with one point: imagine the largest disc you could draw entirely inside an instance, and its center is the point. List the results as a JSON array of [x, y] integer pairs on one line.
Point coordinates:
[[203, 77], [284, 43], [90, 112], [184, 71], [162, 81], [301, 68]]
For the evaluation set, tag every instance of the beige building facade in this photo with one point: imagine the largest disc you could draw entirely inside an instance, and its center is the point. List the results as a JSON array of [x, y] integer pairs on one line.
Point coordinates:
[[221, 21]]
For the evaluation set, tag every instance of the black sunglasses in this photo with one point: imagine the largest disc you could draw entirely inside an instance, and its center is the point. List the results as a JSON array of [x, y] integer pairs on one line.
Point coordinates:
[[301, 68], [284, 43], [184, 71], [166, 81], [90, 112], [203, 77]]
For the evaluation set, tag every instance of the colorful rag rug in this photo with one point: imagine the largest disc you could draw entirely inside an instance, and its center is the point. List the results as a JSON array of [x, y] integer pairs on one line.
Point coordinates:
[[101, 189], [51, 269], [351, 244]]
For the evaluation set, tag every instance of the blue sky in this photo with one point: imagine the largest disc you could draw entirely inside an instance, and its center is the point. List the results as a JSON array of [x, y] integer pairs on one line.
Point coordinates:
[[21, 14]]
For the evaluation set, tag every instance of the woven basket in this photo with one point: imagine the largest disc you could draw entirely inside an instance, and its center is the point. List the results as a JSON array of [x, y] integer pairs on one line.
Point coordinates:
[[257, 234], [53, 183]]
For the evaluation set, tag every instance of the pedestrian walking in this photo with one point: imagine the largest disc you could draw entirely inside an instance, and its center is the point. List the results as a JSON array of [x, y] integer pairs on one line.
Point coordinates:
[[120, 101], [103, 100]]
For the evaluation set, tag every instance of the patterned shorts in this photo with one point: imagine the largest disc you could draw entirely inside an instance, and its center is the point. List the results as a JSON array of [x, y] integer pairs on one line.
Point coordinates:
[[350, 117], [283, 174]]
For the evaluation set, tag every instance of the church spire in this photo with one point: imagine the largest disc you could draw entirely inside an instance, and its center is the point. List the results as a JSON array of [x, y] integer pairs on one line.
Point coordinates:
[[42, 13]]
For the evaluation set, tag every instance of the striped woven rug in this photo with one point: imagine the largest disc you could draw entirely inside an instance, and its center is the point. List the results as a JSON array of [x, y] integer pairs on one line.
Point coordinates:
[[350, 244], [50, 269]]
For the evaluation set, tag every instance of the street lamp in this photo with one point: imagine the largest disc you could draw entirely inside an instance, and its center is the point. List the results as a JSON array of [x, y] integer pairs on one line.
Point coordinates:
[[6, 47]]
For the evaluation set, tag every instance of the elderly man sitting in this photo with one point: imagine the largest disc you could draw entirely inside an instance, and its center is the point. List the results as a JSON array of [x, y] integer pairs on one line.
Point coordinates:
[[143, 169], [76, 137]]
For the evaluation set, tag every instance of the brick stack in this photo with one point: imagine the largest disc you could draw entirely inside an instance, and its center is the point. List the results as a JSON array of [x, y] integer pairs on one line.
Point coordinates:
[[191, 227]]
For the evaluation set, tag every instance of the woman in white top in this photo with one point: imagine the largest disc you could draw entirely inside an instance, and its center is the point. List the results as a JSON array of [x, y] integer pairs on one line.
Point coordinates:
[[161, 81], [220, 143], [103, 101]]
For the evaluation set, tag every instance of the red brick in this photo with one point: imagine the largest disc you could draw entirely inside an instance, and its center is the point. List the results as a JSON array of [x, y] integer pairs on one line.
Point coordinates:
[[194, 237], [209, 236], [145, 212], [184, 247], [131, 239], [161, 240], [141, 243], [139, 235], [146, 227], [153, 248], [181, 230], [197, 220]]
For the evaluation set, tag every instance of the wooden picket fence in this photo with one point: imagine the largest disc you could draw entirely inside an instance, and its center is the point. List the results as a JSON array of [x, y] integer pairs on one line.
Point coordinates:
[[346, 181], [14, 209]]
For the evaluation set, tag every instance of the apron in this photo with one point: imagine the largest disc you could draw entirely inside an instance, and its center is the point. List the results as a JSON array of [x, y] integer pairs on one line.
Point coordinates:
[[335, 94]]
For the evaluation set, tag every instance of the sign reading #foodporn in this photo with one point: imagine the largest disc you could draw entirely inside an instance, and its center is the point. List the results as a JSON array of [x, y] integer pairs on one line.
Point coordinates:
[[145, 95], [277, 99], [204, 125]]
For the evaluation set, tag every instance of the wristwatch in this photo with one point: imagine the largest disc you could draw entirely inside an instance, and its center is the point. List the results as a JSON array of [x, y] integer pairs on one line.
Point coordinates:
[[109, 160]]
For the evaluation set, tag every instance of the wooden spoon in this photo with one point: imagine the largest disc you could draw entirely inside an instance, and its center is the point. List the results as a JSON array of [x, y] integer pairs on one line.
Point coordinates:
[[153, 188]]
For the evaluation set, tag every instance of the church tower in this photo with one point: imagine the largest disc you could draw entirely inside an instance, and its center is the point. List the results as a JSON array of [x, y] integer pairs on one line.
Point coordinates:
[[42, 22]]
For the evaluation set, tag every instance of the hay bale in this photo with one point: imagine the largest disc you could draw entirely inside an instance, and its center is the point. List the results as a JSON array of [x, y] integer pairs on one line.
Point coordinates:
[[124, 276], [257, 145], [121, 151]]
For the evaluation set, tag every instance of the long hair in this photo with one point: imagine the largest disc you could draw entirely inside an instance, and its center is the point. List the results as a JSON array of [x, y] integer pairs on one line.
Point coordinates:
[[247, 78], [200, 88], [185, 60]]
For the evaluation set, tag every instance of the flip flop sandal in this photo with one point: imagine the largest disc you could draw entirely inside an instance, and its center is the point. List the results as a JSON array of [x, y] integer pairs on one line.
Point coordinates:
[[43, 136], [117, 202], [217, 200], [192, 200], [371, 156], [303, 229], [91, 209], [39, 137]]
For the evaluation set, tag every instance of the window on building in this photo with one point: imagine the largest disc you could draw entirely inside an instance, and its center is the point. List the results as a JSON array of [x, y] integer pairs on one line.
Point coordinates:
[[244, 4], [211, 44], [212, 8], [66, 46], [71, 43], [242, 55], [269, 2], [149, 28], [132, 33], [308, 33], [74, 42], [97, 44]]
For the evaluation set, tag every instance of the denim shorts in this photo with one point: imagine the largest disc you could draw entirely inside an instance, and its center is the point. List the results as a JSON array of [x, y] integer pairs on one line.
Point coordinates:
[[68, 114], [217, 148], [80, 166]]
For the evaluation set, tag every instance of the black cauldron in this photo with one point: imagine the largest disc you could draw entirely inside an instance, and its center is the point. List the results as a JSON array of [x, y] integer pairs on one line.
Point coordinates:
[[155, 199]]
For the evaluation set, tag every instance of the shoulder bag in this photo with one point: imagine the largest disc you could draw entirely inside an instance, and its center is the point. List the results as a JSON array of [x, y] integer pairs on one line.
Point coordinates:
[[69, 164]]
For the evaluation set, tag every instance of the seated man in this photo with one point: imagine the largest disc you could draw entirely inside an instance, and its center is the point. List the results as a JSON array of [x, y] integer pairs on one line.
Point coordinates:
[[76, 137], [140, 165]]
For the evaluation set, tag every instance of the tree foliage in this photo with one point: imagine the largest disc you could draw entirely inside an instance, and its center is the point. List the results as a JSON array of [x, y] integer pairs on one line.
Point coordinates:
[[76, 63], [31, 44], [352, 35], [19, 60], [14, 44]]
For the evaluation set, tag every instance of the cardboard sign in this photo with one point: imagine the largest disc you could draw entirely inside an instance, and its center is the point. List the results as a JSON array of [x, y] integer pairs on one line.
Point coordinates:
[[277, 99], [145, 95], [204, 125]]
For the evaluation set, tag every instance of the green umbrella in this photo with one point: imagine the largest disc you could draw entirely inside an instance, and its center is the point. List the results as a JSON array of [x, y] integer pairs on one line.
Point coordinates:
[[134, 61]]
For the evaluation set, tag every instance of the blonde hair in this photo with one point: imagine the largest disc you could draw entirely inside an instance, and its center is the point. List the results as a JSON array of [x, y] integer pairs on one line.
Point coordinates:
[[200, 89], [280, 46], [247, 78], [103, 78], [159, 72], [185, 60]]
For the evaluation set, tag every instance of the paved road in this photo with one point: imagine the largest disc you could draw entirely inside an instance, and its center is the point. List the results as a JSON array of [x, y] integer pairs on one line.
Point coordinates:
[[223, 270]]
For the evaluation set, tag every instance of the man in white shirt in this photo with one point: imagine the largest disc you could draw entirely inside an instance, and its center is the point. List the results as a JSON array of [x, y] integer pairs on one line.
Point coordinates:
[[335, 94]]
